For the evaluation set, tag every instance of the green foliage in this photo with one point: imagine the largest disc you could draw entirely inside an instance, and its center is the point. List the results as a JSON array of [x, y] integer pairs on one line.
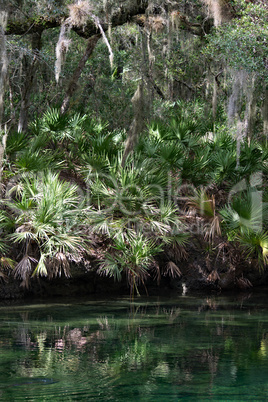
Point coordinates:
[[15, 143], [46, 213], [255, 245], [243, 42], [244, 220], [245, 212], [133, 255]]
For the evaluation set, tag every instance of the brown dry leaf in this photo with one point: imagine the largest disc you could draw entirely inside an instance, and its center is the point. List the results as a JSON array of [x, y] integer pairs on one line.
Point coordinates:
[[213, 276], [243, 283], [172, 270]]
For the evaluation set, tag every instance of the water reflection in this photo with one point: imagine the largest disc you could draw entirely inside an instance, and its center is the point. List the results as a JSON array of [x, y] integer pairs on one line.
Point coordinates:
[[210, 348]]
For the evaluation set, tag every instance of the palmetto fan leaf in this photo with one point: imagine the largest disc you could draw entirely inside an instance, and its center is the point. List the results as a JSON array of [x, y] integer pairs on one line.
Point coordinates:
[[222, 141], [148, 146], [255, 245], [63, 242], [193, 169], [171, 269], [53, 121], [34, 161], [76, 124], [182, 129], [38, 143], [59, 127], [223, 166], [250, 160], [6, 222], [203, 203], [169, 155], [245, 212], [41, 267], [164, 220], [176, 245], [15, 142], [132, 255], [111, 267], [206, 207], [105, 143], [3, 246], [49, 217], [94, 165]]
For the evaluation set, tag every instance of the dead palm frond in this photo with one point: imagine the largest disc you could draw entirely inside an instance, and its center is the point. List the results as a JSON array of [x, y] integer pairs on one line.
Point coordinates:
[[172, 270], [213, 276], [23, 270], [58, 266], [243, 283], [212, 229], [179, 251], [205, 206]]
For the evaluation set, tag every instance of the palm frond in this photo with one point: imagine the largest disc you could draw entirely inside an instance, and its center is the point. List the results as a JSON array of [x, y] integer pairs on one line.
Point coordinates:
[[15, 143], [246, 211], [41, 268], [255, 245], [172, 270], [58, 265], [23, 270], [243, 283], [132, 254], [7, 263], [110, 267]]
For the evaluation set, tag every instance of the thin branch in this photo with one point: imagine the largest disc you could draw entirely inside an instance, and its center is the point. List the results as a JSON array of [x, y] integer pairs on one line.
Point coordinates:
[[185, 84], [98, 24]]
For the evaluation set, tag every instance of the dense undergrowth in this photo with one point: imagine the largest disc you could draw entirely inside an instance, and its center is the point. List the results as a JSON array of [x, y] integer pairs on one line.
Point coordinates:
[[187, 186]]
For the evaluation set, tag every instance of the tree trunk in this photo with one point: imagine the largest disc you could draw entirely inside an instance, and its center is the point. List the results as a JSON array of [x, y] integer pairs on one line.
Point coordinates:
[[265, 113], [250, 112], [214, 99], [3, 63], [2, 152], [138, 122], [30, 70], [72, 86], [3, 82]]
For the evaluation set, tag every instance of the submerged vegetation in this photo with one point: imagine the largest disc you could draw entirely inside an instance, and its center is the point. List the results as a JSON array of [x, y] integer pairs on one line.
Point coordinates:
[[156, 165]]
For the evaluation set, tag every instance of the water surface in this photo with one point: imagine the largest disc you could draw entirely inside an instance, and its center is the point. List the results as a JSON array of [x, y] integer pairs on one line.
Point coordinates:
[[188, 348]]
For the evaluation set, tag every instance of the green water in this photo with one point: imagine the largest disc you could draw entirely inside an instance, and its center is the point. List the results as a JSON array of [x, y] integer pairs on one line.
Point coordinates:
[[188, 348]]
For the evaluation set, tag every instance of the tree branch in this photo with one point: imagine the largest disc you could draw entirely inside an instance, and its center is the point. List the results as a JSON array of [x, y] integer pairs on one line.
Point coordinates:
[[72, 86], [33, 24]]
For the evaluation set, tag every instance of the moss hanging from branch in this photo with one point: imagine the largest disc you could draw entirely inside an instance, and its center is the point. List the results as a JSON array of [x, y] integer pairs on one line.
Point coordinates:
[[61, 49], [220, 10], [137, 123], [105, 39], [79, 15]]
